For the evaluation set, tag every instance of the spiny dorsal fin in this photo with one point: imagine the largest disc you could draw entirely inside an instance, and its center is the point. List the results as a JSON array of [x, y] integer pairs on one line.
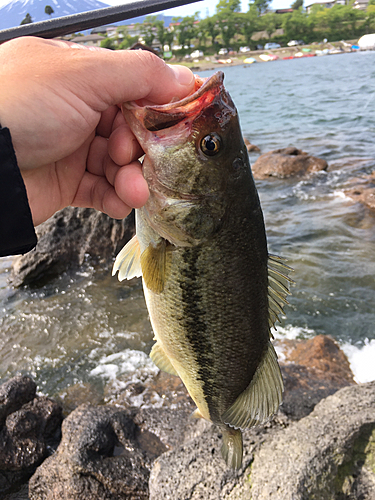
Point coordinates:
[[155, 263], [128, 261], [161, 360], [262, 397], [278, 288], [232, 448]]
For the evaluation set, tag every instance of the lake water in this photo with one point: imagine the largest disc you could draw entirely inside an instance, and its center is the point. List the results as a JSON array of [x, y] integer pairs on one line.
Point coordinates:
[[90, 328]]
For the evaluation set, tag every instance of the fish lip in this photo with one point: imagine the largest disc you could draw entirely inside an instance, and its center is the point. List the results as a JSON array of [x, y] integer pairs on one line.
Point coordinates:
[[159, 117], [209, 83]]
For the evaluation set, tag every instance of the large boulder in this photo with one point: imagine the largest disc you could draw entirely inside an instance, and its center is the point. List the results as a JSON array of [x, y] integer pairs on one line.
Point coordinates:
[[286, 162], [29, 430], [327, 455], [66, 240]]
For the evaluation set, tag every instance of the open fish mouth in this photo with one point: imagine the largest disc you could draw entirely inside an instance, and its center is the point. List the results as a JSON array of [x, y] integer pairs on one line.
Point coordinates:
[[160, 117]]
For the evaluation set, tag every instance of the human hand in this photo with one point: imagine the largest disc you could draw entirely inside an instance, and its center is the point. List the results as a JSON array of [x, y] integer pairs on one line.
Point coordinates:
[[73, 145]]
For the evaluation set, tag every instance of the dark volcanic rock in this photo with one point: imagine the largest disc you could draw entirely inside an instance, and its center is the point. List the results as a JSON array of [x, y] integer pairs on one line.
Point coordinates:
[[14, 393], [30, 428], [286, 162], [66, 239], [97, 459]]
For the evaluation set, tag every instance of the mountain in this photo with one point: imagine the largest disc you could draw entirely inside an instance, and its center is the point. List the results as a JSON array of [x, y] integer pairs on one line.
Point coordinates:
[[15, 11]]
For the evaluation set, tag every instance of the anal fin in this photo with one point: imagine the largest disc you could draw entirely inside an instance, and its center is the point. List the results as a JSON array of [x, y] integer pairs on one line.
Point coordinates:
[[261, 398], [161, 360]]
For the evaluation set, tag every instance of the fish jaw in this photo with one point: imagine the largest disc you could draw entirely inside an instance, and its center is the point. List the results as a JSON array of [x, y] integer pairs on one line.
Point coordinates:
[[170, 134]]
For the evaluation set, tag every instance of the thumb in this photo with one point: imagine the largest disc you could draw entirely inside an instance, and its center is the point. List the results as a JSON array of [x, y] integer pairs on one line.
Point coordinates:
[[127, 75]]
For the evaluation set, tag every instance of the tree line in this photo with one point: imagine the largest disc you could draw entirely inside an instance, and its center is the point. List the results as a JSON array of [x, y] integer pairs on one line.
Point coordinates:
[[231, 28]]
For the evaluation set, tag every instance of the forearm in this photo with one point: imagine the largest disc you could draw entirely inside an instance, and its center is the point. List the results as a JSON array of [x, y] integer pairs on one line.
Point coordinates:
[[17, 234]]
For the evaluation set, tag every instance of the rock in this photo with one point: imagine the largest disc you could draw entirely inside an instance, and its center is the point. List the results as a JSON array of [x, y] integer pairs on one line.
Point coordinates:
[[364, 191], [314, 369], [250, 147], [66, 239], [287, 162], [14, 393], [98, 458], [321, 354], [326, 455], [30, 430]]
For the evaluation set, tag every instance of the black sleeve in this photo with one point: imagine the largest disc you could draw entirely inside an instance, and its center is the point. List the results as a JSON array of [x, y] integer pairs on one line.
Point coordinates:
[[17, 234]]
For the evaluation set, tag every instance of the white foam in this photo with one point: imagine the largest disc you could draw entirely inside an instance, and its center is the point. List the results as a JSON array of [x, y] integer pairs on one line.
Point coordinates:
[[361, 360], [111, 367]]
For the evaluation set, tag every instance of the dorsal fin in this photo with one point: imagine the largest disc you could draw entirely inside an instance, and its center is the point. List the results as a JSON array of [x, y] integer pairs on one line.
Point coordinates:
[[261, 398], [278, 288], [128, 261]]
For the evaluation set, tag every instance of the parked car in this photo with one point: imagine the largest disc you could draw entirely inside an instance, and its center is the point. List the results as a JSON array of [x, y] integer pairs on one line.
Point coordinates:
[[197, 54], [272, 45], [223, 52], [244, 49], [294, 43]]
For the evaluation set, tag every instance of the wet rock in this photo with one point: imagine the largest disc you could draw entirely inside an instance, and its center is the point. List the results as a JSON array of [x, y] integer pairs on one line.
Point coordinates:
[[66, 239], [286, 162], [98, 459], [312, 370], [14, 393], [30, 429], [364, 191], [251, 147], [321, 354]]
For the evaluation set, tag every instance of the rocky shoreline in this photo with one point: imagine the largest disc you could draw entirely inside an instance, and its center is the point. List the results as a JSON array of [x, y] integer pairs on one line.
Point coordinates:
[[320, 445]]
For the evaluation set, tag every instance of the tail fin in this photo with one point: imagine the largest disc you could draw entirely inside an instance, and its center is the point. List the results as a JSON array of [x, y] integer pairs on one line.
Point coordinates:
[[231, 449]]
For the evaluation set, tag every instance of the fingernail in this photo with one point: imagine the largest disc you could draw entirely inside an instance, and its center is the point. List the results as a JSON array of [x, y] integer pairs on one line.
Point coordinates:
[[183, 74]]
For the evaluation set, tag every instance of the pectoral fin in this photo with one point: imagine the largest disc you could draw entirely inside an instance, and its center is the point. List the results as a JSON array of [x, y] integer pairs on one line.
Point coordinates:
[[128, 261], [161, 360], [155, 264], [262, 397]]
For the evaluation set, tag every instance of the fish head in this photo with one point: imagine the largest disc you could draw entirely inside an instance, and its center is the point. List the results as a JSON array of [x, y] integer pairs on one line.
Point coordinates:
[[194, 147]]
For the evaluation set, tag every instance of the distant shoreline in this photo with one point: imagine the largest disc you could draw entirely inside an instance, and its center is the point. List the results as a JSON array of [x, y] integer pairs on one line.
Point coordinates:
[[282, 53]]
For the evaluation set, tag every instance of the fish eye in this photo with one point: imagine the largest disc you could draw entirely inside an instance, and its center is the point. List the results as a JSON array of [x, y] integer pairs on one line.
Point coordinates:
[[211, 144]]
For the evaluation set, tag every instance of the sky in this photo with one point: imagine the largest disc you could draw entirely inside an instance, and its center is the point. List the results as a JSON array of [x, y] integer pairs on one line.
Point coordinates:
[[208, 7], [204, 7]]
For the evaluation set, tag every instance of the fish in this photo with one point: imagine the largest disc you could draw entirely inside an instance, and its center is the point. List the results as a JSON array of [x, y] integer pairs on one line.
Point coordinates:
[[212, 290]]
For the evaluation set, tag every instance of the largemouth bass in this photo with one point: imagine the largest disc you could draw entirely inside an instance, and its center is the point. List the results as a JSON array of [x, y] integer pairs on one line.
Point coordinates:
[[212, 290]]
